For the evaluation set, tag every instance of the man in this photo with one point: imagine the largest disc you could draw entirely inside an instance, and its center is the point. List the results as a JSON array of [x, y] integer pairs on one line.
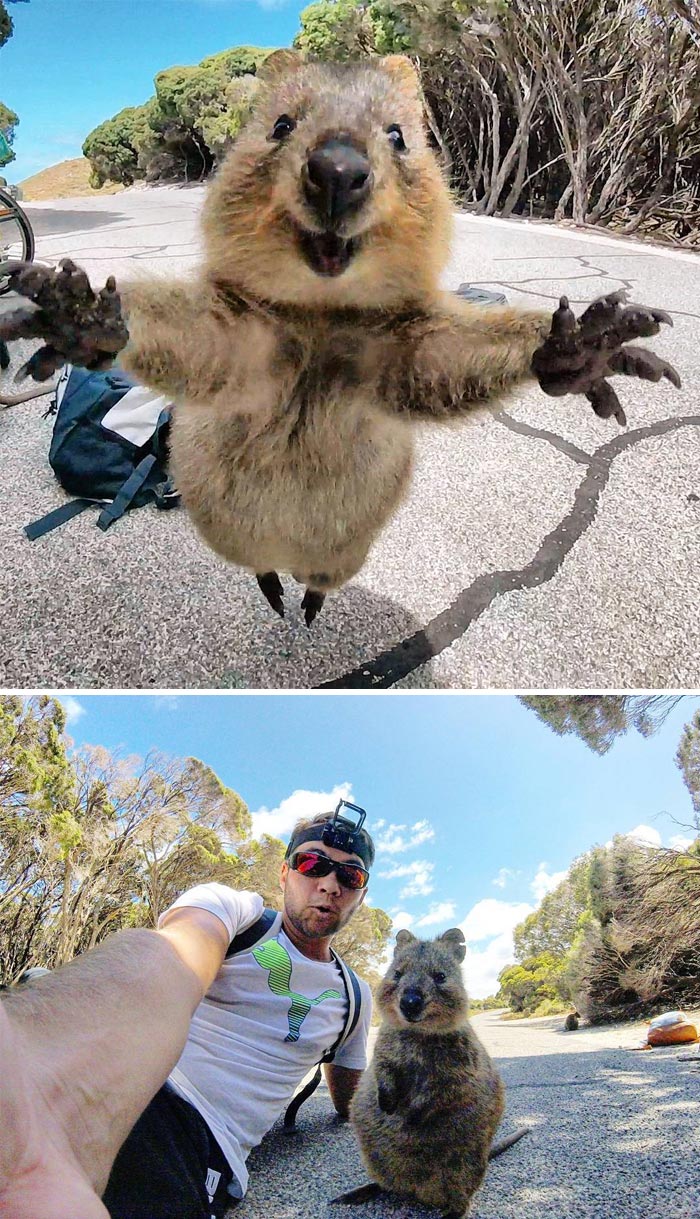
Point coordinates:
[[84, 1054]]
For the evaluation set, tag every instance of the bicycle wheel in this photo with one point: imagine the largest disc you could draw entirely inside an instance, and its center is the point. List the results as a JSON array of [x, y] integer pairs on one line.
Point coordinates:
[[16, 236]]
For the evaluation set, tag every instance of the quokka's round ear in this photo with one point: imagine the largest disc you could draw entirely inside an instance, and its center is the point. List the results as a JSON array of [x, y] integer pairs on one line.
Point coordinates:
[[455, 938], [403, 938], [404, 73], [279, 64]]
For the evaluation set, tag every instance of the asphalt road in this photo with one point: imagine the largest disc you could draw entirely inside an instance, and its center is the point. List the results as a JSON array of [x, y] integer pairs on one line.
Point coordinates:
[[541, 548], [614, 1135]]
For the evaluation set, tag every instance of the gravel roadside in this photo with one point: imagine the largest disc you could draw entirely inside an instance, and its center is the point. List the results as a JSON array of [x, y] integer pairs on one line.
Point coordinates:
[[615, 1135]]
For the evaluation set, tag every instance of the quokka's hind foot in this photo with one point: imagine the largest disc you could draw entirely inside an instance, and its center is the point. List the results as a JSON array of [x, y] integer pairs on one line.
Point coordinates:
[[270, 586], [311, 603]]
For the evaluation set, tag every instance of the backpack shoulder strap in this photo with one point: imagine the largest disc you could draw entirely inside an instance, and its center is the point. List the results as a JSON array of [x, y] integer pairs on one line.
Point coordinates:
[[353, 999], [264, 928]]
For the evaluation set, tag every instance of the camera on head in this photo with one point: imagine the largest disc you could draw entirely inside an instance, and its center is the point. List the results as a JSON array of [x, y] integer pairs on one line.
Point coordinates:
[[340, 831]]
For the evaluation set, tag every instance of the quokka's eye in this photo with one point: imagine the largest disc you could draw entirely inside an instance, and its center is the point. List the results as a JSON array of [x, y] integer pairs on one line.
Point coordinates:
[[396, 139], [398, 975], [439, 978], [283, 127]]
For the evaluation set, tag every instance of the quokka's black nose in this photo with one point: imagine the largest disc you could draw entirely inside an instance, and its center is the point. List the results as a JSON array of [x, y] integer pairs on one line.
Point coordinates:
[[337, 179], [411, 1004]]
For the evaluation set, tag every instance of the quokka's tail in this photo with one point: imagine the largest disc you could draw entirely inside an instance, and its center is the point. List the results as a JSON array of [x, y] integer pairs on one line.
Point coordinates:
[[503, 1144]]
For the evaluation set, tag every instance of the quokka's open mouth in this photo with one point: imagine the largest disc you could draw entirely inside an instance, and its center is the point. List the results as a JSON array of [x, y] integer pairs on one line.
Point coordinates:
[[327, 253]]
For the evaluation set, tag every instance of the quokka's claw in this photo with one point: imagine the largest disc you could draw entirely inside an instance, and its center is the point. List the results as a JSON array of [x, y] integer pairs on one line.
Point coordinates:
[[578, 356]]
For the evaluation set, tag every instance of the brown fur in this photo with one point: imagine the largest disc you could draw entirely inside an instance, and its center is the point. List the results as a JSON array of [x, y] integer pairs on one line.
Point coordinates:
[[429, 1104], [296, 392]]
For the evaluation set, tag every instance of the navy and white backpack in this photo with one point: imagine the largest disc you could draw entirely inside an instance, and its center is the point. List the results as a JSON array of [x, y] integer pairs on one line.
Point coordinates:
[[109, 447]]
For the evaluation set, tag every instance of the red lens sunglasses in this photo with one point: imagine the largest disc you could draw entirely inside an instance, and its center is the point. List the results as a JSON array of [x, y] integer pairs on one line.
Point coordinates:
[[312, 863]]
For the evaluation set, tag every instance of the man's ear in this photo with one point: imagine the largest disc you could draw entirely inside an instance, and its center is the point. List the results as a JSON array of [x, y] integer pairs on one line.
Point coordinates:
[[284, 872]]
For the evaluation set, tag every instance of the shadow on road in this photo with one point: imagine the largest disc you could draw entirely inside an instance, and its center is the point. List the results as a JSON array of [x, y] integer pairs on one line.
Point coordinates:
[[52, 222]]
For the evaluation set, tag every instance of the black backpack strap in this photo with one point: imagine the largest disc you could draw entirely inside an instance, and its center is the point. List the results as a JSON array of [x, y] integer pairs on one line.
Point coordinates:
[[166, 495], [59, 516], [264, 928], [353, 997], [126, 493]]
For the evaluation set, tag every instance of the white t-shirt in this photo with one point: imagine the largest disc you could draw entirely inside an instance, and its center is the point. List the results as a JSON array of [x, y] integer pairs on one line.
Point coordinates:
[[268, 1017]]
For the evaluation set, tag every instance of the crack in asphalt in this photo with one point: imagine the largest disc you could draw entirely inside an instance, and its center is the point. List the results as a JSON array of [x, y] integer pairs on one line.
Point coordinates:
[[452, 623]]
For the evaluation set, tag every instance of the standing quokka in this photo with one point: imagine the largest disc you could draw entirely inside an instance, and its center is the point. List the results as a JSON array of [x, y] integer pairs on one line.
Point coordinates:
[[315, 335], [428, 1106]]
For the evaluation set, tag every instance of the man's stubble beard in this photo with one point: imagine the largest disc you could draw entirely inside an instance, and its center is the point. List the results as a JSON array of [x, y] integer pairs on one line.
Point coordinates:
[[313, 931]]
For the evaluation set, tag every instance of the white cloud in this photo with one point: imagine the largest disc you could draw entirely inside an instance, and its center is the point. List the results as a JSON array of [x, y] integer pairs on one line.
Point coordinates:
[[482, 966], [280, 821], [642, 833], [73, 709], [393, 840], [439, 912], [679, 842], [545, 881], [421, 874], [401, 921], [490, 918], [504, 875], [492, 922]]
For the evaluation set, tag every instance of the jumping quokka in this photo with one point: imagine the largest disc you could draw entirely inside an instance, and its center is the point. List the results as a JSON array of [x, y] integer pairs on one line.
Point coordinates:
[[315, 335], [428, 1106]]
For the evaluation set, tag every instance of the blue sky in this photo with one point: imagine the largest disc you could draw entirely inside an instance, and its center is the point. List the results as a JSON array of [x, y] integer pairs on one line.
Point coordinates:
[[476, 807], [71, 64]]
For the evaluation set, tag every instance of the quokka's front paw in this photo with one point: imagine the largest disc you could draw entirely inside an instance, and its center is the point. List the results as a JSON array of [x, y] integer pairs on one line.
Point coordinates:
[[77, 326], [578, 356]]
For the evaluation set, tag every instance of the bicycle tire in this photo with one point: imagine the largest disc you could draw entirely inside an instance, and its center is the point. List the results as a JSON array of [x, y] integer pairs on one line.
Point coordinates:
[[10, 211]]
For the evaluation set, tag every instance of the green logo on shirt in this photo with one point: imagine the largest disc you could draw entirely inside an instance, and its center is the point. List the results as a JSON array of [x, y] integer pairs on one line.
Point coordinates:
[[273, 957]]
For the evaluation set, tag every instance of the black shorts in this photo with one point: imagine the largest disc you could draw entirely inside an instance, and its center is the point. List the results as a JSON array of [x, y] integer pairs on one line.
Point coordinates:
[[163, 1168]]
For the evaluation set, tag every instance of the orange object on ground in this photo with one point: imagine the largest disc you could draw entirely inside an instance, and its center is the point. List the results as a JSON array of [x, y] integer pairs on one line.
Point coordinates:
[[673, 1034]]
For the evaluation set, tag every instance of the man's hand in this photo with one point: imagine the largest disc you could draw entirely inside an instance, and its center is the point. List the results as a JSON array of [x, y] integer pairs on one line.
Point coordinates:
[[77, 326], [579, 356], [342, 1084]]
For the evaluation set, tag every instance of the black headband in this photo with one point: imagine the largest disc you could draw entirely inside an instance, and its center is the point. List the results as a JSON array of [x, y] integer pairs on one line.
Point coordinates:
[[354, 843]]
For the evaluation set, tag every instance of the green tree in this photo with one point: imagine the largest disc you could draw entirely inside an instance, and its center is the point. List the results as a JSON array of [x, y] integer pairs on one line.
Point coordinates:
[[552, 927], [185, 128], [599, 719], [688, 761], [8, 118], [532, 983]]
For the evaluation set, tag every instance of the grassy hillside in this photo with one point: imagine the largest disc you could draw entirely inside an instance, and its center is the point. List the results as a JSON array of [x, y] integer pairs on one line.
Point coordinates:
[[68, 178]]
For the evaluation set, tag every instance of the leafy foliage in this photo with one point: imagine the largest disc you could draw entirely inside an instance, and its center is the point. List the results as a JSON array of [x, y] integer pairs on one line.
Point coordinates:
[[8, 118], [619, 936], [599, 719], [185, 128]]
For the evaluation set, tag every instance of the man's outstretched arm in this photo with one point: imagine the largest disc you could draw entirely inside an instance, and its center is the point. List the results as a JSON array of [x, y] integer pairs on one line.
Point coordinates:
[[83, 1050]]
